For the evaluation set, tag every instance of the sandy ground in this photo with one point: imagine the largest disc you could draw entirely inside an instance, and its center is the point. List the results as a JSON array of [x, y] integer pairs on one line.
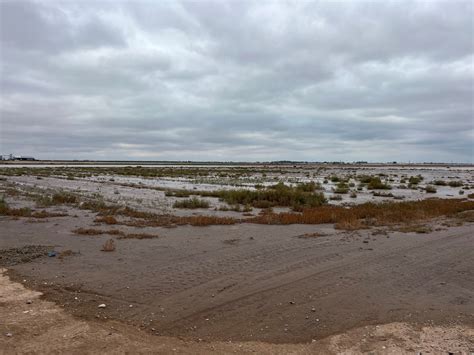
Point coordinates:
[[252, 285], [32, 325]]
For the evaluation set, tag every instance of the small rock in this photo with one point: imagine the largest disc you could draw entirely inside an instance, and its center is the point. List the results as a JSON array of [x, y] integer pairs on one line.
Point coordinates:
[[292, 302], [102, 305], [313, 309], [9, 335], [29, 302]]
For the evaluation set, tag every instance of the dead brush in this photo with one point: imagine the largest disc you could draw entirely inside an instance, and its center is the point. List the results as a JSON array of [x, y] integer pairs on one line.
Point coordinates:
[[350, 225], [109, 245], [138, 236], [106, 219], [385, 213], [92, 231], [415, 228]]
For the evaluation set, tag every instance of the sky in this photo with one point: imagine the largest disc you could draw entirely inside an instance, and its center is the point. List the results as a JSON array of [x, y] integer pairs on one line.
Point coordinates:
[[238, 80]]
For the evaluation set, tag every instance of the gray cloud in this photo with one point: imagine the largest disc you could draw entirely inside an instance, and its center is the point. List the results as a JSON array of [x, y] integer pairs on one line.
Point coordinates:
[[242, 80]]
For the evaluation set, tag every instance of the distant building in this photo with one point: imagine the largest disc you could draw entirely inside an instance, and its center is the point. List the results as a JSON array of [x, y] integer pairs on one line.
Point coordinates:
[[14, 157], [24, 158]]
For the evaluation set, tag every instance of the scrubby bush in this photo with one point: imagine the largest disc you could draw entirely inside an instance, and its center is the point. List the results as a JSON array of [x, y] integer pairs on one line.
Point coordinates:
[[341, 188], [415, 180], [377, 184], [64, 197], [191, 203]]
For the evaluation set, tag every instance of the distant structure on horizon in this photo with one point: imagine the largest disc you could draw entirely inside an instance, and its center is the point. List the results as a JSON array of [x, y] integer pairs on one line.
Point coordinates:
[[15, 157]]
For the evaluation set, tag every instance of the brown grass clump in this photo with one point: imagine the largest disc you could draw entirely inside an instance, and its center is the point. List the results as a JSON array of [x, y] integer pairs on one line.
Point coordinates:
[[138, 236], [350, 225], [466, 216], [207, 220], [417, 228], [120, 234], [88, 231], [5, 210], [311, 235], [65, 253], [106, 219], [92, 231], [64, 198], [46, 214], [109, 245]]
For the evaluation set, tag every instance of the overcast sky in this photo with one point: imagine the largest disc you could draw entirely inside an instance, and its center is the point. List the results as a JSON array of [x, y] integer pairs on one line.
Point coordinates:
[[238, 80]]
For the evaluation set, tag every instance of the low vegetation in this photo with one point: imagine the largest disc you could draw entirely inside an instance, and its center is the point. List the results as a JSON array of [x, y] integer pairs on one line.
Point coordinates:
[[6, 210], [116, 232], [376, 184], [455, 183], [279, 195], [191, 203], [368, 214]]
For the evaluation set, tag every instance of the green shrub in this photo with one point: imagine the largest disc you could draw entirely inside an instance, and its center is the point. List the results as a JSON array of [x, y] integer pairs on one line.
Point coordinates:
[[415, 180], [276, 195], [341, 188], [377, 184], [191, 203]]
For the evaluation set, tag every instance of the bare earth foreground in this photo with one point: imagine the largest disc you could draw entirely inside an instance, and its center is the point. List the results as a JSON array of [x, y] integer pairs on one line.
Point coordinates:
[[42, 327], [246, 288]]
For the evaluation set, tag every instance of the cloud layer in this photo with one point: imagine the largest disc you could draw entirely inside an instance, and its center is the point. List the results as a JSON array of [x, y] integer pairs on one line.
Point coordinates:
[[238, 80]]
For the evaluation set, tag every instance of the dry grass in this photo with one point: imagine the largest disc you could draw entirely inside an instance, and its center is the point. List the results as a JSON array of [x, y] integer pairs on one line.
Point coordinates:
[[466, 216], [106, 219], [64, 198], [367, 214], [93, 231], [138, 236], [120, 234], [416, 228], [191, 203], [311, 235], [350, 225], [109, 245], [354, 217], [5, 210]]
